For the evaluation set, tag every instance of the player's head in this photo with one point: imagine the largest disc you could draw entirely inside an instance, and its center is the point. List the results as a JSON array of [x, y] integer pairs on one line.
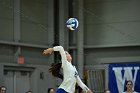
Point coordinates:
[[69, 58], [107, 91], [129, 84], [29, 92], [51, 90], [2, 89]]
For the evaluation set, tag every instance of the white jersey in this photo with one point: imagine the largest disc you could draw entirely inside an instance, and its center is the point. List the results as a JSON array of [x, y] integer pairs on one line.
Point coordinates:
[[70, 74]]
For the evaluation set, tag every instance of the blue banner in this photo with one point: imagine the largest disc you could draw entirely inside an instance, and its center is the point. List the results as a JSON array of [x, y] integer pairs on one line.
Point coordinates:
[[120, 73]]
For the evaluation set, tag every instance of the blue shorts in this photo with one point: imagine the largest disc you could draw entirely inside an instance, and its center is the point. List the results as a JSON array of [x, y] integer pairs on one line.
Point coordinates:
[[60, 90]]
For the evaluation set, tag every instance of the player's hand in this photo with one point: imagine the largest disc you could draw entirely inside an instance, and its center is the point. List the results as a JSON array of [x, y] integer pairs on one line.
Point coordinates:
[[89, 91], [48, 51]]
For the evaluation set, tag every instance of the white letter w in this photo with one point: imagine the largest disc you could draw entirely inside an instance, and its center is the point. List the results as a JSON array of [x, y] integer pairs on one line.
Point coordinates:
[[120, 79]]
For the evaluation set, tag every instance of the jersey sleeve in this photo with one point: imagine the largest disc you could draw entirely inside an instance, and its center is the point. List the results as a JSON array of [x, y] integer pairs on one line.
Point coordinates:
[[62, 53], [81, 84]]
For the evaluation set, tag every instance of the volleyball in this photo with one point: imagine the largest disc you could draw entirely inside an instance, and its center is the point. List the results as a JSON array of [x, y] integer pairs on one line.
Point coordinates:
[[72, 23]]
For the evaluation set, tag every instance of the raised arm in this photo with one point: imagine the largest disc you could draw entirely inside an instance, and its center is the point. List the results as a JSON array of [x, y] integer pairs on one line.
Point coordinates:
[[57, 48], [62, 52]]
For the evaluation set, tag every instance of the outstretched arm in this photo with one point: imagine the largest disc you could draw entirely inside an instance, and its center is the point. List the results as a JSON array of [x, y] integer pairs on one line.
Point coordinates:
[[82, 85]]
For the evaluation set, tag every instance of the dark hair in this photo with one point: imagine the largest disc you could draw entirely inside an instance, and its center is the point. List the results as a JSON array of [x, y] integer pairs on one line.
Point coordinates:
[[55, 69], [49, 89], [129, 81], [29, 91]]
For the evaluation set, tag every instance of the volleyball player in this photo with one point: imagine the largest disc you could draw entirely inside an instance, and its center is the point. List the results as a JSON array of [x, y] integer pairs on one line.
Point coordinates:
[[70, 75]]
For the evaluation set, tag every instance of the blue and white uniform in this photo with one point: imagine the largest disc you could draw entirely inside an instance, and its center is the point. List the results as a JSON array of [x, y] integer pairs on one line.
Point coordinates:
[[70, 74]]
